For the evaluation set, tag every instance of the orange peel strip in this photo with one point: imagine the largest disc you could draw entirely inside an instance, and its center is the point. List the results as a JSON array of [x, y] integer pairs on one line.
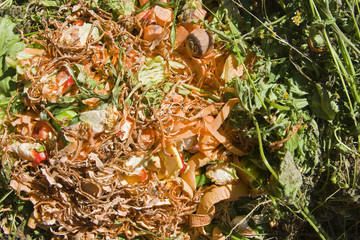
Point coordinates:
[[206, 208], [224, 113], [221, 137], [195, 162]]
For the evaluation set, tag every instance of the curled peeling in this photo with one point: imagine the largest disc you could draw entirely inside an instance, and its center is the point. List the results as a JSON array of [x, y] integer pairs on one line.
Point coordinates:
[[206, 208], [115, 166], [172, 161]]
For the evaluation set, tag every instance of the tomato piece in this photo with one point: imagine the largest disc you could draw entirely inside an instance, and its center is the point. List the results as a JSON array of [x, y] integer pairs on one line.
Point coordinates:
[[147, 14], [79, 23], [183, 165], [69, 82], [64, 79], [142, 175], [41, 130], [38, 156]]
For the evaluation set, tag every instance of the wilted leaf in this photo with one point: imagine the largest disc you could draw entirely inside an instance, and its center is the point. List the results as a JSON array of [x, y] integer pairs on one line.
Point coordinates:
[[290, 179]]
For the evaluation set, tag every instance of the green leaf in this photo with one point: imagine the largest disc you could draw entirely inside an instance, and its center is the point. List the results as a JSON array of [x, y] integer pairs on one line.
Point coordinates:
[[68, 114], [8, 82], [244, 93], [173, 27], [201, 180], [153, 72], [322, 105], [300, 103], [118, 7], [290, 179], [10, 43], [49, 3], [293, 142]]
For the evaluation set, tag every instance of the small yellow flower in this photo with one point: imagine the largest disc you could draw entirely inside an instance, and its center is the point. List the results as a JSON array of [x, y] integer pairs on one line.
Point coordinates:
[[297, 18], [273, 34], [271, 28], [286, 95], [336, 95], [305, 126], [261, 35]]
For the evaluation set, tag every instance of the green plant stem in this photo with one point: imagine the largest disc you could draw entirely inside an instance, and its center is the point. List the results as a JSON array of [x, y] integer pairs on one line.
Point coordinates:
[[6, 195], [304, 211], [349, 73], [137, 87], [6, 3], [354, 18], [263, 157], [350, 150], [270, 30], [340, 68], [190, 87], [241, 169], [340, 73], [327, 165], [249, 78]]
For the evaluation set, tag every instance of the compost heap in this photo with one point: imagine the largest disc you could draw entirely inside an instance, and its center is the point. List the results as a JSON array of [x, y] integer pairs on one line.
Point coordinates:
[[112, 109]]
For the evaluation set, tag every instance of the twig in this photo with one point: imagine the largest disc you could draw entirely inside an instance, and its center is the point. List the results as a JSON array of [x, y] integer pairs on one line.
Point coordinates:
[[247, 216]]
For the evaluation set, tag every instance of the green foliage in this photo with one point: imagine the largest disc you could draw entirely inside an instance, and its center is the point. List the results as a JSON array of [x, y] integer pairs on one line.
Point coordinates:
[[322, 105], [9, 45], [118, 7], [289, 182]]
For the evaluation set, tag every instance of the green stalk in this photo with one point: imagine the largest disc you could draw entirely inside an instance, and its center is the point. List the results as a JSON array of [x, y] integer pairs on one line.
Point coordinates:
[[341, 72], [241, 169], [339, 65], [137, 87], [6, 195], [327, 165], [304, 211], [6, 3], [350, 71], [190, 87], [268, 166], [250, 79], [354, 18], [350, 150], [340, 68], [354, 88]]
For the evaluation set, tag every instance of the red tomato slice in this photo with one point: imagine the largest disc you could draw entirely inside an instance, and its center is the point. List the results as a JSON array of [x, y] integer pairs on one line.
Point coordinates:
[[64, 79], [38, 156], [183, 165], [142, 175], [79, 23], [69, 82]]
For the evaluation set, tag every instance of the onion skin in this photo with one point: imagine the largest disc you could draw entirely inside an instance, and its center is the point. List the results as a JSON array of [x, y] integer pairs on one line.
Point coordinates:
[[199, 42]]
